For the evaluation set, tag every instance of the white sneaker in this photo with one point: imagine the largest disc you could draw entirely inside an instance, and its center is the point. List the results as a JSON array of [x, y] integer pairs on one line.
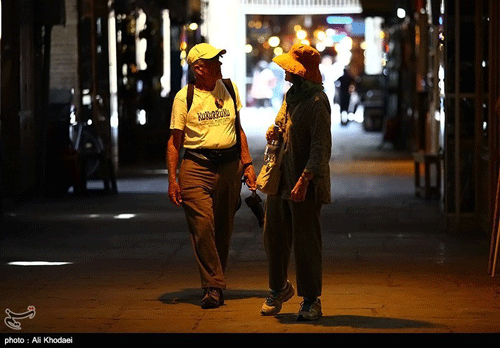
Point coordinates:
[[274, 301]]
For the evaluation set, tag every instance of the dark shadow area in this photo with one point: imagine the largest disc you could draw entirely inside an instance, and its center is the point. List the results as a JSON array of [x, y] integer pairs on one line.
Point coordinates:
[[193, 296], [358, 321], [356, 211]]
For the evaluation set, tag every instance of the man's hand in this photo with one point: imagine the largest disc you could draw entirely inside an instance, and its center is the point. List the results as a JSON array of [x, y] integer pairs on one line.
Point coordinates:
[[174, 193], [250, 177]]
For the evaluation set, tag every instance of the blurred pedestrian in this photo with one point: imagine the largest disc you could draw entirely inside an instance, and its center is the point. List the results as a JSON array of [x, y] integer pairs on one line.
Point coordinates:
[[345, 87], [205, 121], [263, 83], [292, 221]]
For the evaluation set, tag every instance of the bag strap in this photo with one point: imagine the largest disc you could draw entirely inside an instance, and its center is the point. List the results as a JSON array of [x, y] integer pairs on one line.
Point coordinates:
[[288, 111]]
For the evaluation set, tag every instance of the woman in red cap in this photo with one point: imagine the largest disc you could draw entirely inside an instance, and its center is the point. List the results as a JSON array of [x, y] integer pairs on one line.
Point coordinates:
[[293, 214]]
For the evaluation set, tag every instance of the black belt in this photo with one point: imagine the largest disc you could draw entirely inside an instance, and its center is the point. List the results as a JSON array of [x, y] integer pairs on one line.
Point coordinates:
[[217, 156]]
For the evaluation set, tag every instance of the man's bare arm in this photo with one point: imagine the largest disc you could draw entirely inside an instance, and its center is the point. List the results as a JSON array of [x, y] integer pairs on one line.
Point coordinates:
[[173, 149]]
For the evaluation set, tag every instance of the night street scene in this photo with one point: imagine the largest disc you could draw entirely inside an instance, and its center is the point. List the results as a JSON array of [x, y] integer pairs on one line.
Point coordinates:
[[114, 204]]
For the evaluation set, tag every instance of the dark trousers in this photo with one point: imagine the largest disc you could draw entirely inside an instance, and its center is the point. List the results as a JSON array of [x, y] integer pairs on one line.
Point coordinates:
[[210, 195], [294, 226]]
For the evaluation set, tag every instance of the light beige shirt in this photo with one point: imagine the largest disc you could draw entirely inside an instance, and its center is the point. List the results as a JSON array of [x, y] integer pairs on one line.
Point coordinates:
[[210, 123]]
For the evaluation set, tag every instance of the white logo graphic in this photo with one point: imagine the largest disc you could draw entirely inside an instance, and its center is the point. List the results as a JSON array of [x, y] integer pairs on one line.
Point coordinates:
[[11, 321]]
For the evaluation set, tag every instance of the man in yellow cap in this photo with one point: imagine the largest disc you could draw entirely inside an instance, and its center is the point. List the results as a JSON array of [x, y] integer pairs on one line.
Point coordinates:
[[205, 121]]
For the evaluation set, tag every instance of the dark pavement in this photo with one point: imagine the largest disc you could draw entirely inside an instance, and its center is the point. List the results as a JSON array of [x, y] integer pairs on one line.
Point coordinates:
[[390, 266]]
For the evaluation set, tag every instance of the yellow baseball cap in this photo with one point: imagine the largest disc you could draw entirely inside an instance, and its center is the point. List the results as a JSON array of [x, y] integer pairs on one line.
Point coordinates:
[[203, 51]]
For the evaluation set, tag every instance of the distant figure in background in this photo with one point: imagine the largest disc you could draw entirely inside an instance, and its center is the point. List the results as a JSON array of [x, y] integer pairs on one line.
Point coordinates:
[[262, 85], [345, 86], [280, 87], [329, 76]]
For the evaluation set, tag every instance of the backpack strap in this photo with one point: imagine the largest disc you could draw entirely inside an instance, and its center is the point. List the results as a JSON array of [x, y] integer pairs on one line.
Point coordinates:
[[230, 89], [190, 93]]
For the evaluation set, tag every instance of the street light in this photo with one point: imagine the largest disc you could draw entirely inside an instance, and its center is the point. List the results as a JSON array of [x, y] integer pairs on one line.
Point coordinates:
[[301, 34], [273, 41], [320, 34], [320, 46]]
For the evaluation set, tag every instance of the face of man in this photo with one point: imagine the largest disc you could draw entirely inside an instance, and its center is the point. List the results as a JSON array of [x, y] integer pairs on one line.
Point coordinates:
[[209, 69]]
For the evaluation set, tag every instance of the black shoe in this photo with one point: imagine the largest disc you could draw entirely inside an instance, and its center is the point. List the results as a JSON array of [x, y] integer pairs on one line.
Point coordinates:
[[212, 298]]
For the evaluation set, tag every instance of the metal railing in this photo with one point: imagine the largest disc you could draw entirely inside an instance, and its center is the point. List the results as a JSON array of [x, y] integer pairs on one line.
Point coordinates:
[[317, 3], [285, 6]]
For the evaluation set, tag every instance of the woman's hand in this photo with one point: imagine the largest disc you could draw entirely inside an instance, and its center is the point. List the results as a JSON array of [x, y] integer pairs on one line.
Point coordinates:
[[273, 133], [299, 192]]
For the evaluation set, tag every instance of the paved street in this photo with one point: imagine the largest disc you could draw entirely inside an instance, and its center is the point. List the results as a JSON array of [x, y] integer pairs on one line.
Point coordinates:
[[390, 265]]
